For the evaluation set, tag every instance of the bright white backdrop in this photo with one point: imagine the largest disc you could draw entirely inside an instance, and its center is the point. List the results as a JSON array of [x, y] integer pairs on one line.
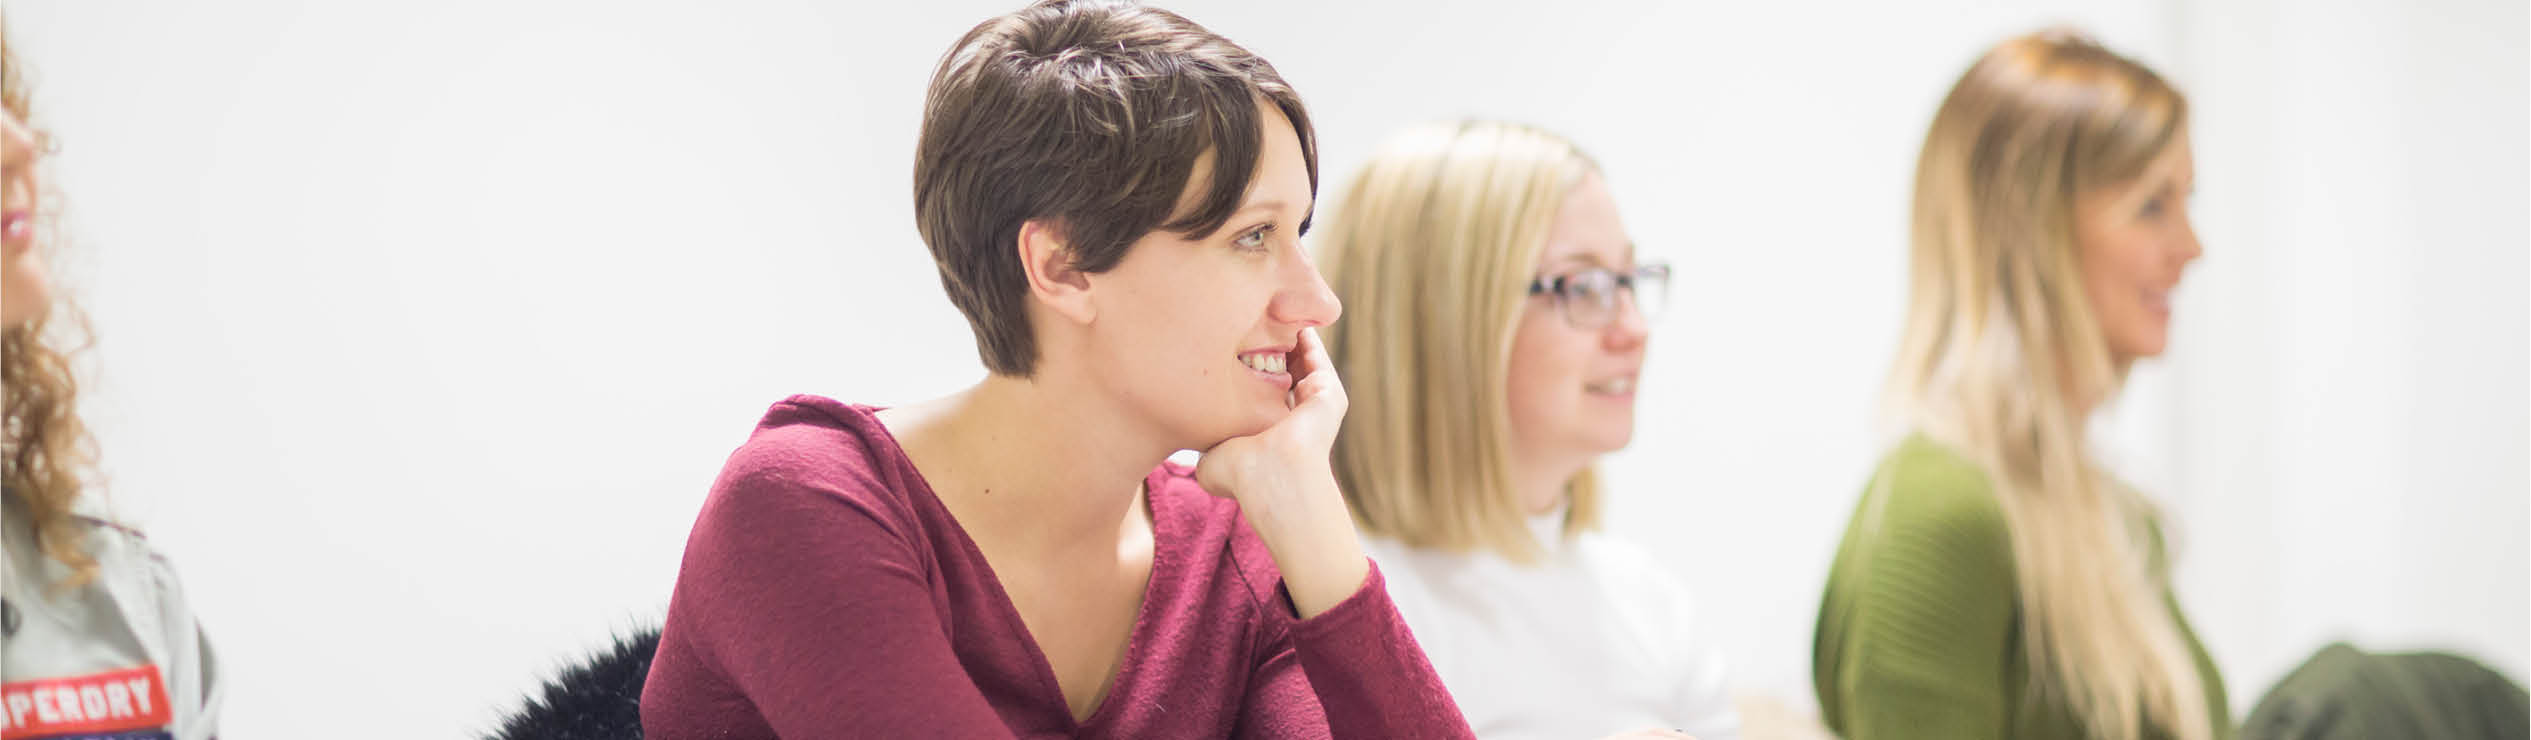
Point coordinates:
[[422, 328]]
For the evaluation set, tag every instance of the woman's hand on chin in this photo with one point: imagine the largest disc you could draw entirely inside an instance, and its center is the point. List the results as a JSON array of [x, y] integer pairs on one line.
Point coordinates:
[[1283, 482]]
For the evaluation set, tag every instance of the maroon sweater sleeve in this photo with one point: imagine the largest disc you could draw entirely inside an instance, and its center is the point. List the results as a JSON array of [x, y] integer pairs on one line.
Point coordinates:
[[803, 590], [1353, 671]]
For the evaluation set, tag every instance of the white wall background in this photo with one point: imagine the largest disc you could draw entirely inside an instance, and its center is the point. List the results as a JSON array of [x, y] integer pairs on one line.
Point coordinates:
[[422, 328]]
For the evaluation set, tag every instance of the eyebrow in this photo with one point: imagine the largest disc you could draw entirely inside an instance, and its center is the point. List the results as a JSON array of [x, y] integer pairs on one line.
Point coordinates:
[[1264, 205], [2172, 187], [1592, 259], [1277, 204]]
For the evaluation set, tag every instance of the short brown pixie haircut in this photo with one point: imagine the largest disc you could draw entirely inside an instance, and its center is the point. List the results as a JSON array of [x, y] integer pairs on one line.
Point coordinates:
[[1090, 114]]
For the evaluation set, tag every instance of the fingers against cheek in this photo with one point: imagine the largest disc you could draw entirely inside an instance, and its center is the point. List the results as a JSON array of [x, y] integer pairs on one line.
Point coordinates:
[[1310, 354]]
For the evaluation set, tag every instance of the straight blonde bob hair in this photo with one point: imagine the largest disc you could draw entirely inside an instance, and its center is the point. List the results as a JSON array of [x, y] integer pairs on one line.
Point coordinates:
[[1431, 249], [2002, 360]]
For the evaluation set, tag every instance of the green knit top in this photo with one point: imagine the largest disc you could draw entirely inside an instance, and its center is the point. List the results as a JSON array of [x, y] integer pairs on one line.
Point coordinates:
[[1920, 630]]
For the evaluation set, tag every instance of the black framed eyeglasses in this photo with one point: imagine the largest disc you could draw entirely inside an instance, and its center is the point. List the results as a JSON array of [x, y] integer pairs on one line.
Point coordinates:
[[1589, 298]]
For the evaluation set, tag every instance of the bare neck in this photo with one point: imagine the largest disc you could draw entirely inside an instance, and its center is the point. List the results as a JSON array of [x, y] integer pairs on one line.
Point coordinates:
[[1031, 464], [1541, 486]]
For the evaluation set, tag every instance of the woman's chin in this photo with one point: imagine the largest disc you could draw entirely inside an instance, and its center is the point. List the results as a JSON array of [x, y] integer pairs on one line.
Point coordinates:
[[2143, 347], [1613, 439], [23, 308], [1249, 423], [1262, 418], [24, 294]]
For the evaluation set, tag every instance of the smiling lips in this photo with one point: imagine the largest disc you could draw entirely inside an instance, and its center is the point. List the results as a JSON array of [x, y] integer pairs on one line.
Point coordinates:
[[1268, 361], [2158, 302], [1617, 386]]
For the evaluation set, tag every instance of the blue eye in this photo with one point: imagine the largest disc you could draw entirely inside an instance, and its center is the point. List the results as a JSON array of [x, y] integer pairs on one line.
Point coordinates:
[[1252, 240], [2152, 208]]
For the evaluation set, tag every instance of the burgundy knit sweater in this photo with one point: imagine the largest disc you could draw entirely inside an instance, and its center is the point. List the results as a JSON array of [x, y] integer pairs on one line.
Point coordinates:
[[826, 592]]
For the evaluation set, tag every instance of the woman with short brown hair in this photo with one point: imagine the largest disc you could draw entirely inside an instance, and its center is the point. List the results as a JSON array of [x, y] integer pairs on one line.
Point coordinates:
[[1114, 197]]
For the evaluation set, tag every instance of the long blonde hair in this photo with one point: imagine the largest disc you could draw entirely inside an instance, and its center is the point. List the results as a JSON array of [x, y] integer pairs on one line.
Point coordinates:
[[2002, 360], [1431, 250], [48, 449]]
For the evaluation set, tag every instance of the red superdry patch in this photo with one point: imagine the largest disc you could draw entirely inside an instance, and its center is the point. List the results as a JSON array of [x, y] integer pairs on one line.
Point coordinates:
[[113, 701]]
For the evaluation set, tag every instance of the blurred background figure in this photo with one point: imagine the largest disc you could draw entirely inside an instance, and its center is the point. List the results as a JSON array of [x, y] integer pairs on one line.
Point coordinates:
[[96, 637], [1495, 331], [1996, 580]]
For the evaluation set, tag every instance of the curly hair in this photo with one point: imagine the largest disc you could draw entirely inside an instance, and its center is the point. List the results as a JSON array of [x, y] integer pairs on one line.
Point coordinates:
[[48, 449]]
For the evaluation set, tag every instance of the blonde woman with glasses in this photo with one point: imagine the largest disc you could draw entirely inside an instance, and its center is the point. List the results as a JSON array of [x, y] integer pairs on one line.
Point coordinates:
[[1995, 580], [1494, 333]]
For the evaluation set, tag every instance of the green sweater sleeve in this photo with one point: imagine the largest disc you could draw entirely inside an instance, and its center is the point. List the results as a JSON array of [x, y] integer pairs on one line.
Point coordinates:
[[1920, 614]]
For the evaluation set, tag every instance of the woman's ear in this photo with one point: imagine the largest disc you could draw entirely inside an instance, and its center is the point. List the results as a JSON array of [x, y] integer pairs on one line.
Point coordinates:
[[1053, 278]]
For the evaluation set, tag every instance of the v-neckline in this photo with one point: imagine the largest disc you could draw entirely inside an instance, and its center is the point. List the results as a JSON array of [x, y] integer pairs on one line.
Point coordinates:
[[1045, 668]]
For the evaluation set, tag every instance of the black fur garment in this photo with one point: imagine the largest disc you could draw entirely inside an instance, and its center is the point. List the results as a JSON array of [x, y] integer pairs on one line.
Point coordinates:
[[597, 699]]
